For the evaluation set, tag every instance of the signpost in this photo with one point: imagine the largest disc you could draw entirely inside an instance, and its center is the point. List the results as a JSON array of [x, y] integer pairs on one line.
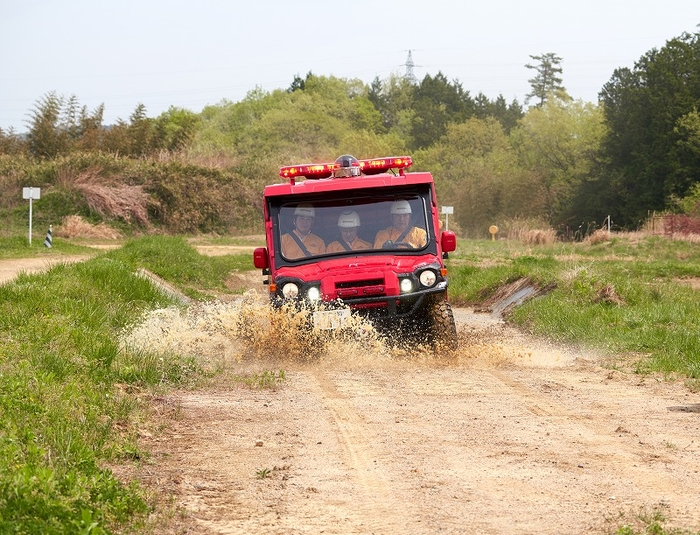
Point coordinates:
[[31, 194], [447, 210]]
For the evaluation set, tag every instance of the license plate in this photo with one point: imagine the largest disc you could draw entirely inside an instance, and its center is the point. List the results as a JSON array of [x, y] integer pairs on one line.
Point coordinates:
[[330, 319]]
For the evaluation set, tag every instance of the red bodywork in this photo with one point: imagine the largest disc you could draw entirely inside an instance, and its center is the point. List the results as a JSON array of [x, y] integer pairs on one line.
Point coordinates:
[[364, 280]]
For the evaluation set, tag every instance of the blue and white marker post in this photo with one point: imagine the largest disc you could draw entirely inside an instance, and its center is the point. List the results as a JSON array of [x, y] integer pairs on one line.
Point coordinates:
[[31, 194]]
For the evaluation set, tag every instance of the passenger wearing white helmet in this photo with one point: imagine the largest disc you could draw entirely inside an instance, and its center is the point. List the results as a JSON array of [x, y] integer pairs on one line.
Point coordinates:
[[401, 234], [300, 242], [348, 224]]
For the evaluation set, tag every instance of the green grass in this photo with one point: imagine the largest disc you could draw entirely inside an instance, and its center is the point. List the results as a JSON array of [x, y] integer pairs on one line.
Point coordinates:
[[18, 247], [646, 521], [65, 406], [251, 241], [266, 379], [174, 260], [263, 473], [653, 317]]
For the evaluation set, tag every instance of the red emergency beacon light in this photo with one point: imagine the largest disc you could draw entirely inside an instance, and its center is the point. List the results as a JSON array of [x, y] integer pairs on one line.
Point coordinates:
[[372, 166]]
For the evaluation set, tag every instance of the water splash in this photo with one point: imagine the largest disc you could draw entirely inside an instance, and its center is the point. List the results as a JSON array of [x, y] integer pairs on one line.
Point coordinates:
[[249, 329]]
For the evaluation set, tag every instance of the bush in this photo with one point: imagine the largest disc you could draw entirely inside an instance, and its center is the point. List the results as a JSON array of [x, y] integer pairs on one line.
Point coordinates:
[[132, 194]]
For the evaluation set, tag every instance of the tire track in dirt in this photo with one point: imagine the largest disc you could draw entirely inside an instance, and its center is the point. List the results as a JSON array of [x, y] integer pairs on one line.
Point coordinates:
[[384, 513], [538, 408]]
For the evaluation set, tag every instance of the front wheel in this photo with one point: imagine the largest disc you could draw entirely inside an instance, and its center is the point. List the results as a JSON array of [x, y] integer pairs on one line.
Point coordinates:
[[442, 331]]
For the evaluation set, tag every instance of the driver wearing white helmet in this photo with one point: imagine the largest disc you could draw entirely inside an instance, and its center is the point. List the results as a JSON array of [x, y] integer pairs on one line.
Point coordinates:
[[401, 234], [300, 242], [348, 223]]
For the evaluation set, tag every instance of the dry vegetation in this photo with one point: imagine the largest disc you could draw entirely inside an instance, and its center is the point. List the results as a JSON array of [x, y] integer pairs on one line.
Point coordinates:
[[108, 197], [75, 226], [529, 231], [599, 236]]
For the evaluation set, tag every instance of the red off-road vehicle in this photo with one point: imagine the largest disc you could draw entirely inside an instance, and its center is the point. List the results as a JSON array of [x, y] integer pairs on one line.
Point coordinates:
[[360, 236]]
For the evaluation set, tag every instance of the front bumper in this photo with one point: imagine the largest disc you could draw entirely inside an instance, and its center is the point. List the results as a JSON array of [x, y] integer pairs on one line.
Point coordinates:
[[378, 307]]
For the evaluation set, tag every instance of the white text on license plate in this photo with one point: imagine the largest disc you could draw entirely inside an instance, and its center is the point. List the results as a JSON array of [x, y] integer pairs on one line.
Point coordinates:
[[331, 319]]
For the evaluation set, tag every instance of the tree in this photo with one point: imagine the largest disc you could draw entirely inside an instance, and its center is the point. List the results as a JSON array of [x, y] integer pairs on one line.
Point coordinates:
[[299, 83], [59, 125], [651, 141], [175, 128], [394, 98], [91, 129], [688, 131], [477, 171], [438, 103], [329, 117], [11, 142], [560, 142], [46, 138], [547, 82], [506, 114], [140, 131]]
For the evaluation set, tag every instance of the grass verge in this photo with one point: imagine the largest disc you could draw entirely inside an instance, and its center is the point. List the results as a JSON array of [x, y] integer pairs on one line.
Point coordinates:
[[67, 402], [632, 298], [18, 247]]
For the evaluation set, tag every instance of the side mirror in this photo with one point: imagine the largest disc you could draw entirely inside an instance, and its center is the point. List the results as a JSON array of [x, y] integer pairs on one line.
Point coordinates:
[[448, 241], [260, 258]]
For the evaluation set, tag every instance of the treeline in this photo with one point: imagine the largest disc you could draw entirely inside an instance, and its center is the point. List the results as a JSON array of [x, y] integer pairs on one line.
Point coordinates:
[[563, 163]]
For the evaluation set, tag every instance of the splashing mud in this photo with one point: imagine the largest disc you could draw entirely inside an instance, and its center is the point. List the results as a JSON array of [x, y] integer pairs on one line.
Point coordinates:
[[249, 329]]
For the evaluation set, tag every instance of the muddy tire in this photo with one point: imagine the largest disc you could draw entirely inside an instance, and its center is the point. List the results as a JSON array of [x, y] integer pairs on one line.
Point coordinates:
[[442, 331]]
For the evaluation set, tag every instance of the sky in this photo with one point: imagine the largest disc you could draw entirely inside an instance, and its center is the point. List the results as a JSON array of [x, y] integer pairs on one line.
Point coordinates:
[[194, 53]]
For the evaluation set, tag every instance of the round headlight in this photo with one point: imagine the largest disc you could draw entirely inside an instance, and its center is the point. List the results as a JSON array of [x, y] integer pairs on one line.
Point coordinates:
[[406, 285], [428, 278], [290, 290], [314, 294]]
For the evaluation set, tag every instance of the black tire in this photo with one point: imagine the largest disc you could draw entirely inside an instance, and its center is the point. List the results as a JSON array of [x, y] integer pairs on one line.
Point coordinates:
[[441, 324]]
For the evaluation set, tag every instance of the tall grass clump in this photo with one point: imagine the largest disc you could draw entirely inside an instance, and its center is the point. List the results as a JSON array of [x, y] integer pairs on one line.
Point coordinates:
[[65, 410]]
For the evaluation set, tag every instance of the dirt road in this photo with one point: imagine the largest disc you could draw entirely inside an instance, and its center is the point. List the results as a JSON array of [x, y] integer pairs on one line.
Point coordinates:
[[10, 268], [510, 435]]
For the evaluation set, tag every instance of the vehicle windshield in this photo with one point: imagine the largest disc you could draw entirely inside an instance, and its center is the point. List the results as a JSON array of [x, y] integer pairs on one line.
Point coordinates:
[[343, 226]]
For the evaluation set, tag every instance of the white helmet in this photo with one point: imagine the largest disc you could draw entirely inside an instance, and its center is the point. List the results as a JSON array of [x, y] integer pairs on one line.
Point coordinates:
[[349, 219], [400, 207], [305, 210]]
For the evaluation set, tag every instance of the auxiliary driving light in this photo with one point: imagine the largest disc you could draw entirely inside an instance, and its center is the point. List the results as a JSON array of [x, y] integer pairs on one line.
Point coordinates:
[[406, 285], [314, 294]]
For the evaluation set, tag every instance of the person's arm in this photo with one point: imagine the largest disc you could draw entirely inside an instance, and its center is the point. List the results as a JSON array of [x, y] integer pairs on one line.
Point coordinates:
[[381, 237]]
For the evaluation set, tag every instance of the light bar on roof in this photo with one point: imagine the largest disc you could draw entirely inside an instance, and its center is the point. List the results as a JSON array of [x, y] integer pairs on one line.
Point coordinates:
[[382, 165], [371, 166], [322, 170]]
